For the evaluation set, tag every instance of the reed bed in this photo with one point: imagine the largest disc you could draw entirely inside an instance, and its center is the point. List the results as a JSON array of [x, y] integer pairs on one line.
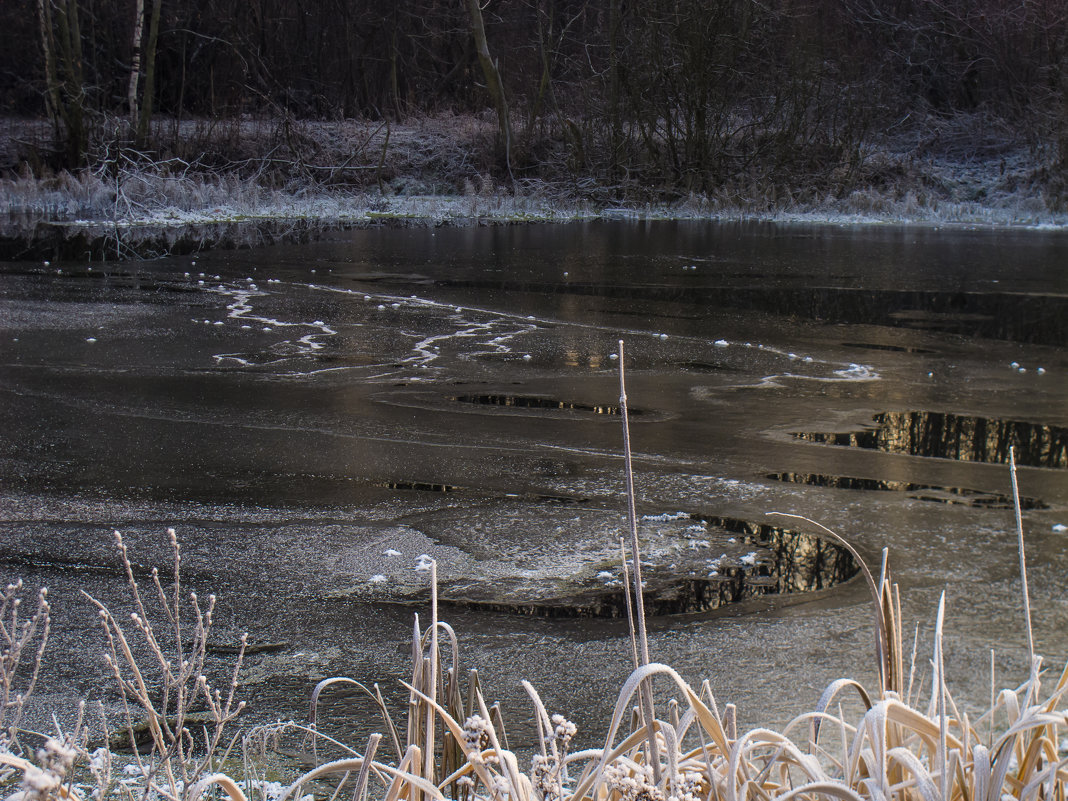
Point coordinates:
[[667, 740]]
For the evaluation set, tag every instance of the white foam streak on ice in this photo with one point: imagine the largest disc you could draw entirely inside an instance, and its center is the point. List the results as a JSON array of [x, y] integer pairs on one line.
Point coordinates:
[[240, 308], [476, 333], [474, 338]]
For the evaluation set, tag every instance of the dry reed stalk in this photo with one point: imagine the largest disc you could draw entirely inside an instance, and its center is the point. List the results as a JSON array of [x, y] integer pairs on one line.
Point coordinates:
[[1020, 548], [632, 517], [646, 694]]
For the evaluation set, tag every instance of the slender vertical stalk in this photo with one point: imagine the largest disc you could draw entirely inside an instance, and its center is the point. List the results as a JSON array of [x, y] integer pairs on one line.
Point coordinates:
[[993, 696], [432, 690], [1023, 558], [632, 516], [940, 689], [630, 604], [646, 691]]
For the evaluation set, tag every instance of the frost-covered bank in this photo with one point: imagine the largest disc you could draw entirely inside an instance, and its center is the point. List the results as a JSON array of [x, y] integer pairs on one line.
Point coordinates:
[[435, 170]]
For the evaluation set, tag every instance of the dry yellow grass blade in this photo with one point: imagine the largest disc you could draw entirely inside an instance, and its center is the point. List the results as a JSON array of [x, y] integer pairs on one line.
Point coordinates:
[[229, 786], [822, 789], [478, 758], [356, 764]]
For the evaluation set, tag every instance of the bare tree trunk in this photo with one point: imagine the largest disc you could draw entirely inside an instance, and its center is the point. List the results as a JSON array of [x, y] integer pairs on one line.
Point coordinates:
[[1062, 127], [61, 41], [52, 101], [493, 80], [135, 61], [614, 119], [149, 88]]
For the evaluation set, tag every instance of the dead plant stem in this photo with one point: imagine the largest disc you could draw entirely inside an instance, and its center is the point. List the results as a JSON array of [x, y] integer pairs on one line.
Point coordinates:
[[1023, 558], [646, 690]]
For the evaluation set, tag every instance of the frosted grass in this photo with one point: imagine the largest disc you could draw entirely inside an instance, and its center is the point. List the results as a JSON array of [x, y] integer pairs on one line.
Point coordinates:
[[981, 195]]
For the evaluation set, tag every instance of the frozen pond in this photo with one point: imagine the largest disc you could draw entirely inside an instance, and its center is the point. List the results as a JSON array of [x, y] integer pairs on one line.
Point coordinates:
[[314, 418]]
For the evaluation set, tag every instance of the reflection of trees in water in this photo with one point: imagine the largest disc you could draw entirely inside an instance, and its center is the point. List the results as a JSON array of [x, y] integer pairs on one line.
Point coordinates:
[[960, 437], [798, 562], [804, 562]]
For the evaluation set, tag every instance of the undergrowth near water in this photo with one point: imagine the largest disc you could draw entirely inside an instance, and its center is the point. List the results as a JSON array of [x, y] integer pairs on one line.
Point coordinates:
[[434, 169], [667, 740]]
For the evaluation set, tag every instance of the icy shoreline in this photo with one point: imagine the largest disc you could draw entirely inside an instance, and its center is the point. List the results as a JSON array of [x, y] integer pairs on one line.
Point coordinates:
[[145, 213], [264, 223]]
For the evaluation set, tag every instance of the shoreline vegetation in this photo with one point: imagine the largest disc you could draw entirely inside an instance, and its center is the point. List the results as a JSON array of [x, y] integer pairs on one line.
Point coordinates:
[[420, 173]]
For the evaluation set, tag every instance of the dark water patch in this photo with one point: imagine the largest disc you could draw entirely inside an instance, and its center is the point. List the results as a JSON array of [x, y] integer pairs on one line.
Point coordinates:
[[778, 561], [22, 562], [418, 486], [1019, 317], [538, 402], [706, 367], [562, 500], [891, 348], [960, 437], [924, 492], [425, 486]]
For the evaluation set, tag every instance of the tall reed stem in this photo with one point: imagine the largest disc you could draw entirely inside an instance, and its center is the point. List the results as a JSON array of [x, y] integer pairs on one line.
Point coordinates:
[[1023, 558], [646, 690], [632, 516]]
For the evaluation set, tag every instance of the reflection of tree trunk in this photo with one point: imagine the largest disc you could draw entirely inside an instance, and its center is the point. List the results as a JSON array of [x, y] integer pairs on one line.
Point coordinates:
[[493, 80], [149, 88]]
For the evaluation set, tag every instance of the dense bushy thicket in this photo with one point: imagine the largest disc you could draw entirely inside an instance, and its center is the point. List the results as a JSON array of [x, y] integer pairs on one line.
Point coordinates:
[[680, 93]]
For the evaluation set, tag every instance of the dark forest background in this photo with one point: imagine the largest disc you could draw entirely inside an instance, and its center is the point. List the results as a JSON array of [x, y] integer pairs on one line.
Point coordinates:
[[683, 95]]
